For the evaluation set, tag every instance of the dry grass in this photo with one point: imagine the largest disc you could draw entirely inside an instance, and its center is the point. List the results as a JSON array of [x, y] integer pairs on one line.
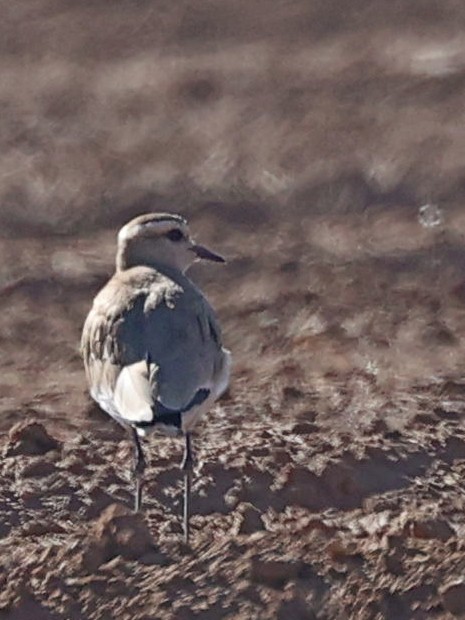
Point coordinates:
[[289, 104]]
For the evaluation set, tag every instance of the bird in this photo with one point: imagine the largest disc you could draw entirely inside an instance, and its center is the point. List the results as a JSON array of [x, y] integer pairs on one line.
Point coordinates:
[[152, 345]]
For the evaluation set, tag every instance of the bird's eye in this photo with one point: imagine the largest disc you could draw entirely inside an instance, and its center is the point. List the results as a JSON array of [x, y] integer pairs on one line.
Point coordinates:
[[175, 234]]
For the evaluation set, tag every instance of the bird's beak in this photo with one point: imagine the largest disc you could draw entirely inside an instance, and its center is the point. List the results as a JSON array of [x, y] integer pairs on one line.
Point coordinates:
[[204, 253]]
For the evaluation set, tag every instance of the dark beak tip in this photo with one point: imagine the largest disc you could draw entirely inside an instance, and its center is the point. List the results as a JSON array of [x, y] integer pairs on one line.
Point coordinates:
[[205, 254]]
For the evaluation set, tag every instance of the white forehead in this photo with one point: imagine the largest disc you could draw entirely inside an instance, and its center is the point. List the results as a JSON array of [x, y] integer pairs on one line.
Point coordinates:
[[141, 229]]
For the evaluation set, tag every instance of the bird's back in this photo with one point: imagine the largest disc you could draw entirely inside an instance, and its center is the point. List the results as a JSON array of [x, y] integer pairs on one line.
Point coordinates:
[[150, 343]]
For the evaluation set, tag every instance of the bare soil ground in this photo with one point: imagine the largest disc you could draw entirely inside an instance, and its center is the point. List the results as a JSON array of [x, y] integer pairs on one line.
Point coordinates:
[[320, 146]]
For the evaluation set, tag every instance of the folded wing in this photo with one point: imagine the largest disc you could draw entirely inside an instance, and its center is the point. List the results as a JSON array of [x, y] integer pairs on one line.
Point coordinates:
[[149, 349]]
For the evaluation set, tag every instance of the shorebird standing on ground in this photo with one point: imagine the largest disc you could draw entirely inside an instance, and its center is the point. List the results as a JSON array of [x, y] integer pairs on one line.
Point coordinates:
[[151, 344]]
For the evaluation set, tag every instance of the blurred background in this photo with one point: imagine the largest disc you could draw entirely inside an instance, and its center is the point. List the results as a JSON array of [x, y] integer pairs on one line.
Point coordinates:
[[320, 146]]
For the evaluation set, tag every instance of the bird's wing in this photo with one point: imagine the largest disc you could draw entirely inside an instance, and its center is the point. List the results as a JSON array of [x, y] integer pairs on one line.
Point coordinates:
[[150, 345]]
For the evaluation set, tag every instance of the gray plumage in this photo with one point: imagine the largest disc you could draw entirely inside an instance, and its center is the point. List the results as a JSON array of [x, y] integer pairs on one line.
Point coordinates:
[[151, 344], [163, 334]]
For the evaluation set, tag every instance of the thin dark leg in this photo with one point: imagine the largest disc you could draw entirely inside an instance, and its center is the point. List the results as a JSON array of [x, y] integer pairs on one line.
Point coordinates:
[[139, 468], [187, 467]]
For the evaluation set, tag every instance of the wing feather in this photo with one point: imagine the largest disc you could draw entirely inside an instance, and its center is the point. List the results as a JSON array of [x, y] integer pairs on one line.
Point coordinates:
[[149, 339]]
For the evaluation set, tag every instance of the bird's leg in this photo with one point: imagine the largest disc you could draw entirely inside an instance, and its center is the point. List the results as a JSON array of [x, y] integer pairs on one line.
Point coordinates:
[[139, 468], [187, 467]]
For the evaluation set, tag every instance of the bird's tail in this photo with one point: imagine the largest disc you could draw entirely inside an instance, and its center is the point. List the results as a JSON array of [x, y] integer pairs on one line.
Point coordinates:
[[134, 394]]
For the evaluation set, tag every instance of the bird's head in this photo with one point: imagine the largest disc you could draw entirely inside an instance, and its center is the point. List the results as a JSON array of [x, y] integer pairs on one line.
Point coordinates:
[[159, 240]]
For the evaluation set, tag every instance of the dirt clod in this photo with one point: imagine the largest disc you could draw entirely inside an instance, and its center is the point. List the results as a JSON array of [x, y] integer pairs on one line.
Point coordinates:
[[453, 597], [118, 531], [38, 469], [248, 520], [295, 608], [29, 438], [273, 573], [430, 528]]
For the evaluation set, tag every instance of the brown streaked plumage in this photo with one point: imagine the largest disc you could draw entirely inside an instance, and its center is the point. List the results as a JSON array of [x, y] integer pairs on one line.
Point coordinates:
[[151, 343]]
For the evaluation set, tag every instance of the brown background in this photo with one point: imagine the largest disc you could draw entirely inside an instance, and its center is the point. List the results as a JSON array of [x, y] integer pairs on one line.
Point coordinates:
[[320, 146]]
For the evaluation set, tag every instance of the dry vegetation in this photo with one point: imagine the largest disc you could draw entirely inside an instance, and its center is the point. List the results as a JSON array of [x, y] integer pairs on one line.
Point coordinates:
[[320, 146]]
